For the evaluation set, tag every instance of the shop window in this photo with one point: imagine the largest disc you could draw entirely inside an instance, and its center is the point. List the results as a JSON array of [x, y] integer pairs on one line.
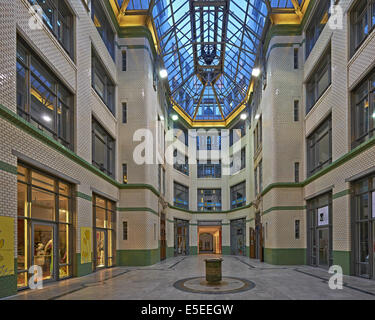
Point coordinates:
[[319, 81], [44, 225], [104, 217], [102, 83], [238, 195], [209, 199], [319, 148], [59, 19], [103, 26], [363, 111], [181, 196], [103, 149], [317, 24], [42, 99]]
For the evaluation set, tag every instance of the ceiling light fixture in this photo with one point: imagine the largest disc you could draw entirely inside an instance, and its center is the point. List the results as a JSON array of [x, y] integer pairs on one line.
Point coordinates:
[[256, 72], [243, 116], [174, 117], [47, 118], [163, 73], [257, 117]]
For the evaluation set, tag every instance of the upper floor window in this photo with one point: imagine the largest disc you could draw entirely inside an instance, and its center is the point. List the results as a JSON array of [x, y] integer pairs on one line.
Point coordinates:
[[181, 162], [237, 132], [258, 136], [181, 196], [102, 83], [238, 195], [362, 22], [319, 81], [209, 199], [363, 111], [209, 169], [103, 26], [181, 133], [124, 60], [208, 141], [317, 24], [59, 19], [238, 162], [319, 148], [42, 99], [103, 149]]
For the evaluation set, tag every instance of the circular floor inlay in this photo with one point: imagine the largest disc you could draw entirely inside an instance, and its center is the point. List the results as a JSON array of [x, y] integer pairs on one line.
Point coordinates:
[[200, 285]]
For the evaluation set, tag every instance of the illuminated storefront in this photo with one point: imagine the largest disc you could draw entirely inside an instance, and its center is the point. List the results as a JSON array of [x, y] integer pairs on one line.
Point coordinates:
[[44, 227]]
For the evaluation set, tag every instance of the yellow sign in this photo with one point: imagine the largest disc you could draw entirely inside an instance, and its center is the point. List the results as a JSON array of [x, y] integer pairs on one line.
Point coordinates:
[[6, 246], [86, 248]]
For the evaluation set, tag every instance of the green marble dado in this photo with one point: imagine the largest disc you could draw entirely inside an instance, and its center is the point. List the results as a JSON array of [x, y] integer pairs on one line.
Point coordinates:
[[137, 258], [8, 284]]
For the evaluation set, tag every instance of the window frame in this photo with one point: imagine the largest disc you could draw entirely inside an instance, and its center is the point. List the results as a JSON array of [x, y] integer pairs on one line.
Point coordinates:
[[185, 191], [242, 187], [202, 205]]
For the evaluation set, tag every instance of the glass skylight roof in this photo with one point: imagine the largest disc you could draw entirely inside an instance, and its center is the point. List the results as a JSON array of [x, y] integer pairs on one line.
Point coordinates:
[[209, 48]]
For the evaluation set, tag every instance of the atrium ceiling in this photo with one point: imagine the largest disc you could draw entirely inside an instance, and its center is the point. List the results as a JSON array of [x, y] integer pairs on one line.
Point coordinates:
[[210, 48]]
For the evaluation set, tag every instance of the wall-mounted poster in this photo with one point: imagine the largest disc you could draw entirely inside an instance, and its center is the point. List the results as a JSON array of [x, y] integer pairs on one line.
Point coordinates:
[[323, 216], [373, 204], [86, 248], [6, 246]]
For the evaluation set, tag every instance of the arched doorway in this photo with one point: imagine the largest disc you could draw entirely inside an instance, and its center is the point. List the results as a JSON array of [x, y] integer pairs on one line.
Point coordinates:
[[209, 240]]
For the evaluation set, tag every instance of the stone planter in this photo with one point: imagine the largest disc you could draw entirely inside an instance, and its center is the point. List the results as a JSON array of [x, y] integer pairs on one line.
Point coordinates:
[[213, 270]]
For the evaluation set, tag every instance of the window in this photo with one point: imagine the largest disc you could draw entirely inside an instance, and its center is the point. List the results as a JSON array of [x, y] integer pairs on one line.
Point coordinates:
[[317, 24], [363, 111], [44, 207], [209, 199], [104, 225], [125, 173], [124, 61], [181, 133], [239, 161], [237, 132], [124, 112], [181, 162], [164, 182], [296, 62], [319, 81], [363, 21], [256, 190], [124, 230], [258, 136], [363, 231], [103, 26], [296, 172], [103, 149], [238, 195], [102, 83], [209, 169], [296, 110], [59, 19], [42, 99], [181, 196], [296, 229], [208, 141], [258, 178], [319, 148]]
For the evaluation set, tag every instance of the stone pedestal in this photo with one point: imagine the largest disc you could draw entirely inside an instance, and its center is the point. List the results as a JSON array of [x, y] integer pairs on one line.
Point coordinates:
[[213, 270]]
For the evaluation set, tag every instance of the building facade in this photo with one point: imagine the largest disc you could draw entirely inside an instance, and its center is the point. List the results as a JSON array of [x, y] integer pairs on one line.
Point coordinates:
[[81, 95]]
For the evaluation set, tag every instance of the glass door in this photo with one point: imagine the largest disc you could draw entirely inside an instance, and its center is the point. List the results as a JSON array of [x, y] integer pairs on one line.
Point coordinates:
[[323, 242], [43, 248], [101, 249]]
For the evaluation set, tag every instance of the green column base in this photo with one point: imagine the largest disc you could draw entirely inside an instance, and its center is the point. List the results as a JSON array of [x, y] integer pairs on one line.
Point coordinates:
[[342, 259], [138, 258], [285, 256], [8, 284], [193, 251], [82, 269], [225, 250]]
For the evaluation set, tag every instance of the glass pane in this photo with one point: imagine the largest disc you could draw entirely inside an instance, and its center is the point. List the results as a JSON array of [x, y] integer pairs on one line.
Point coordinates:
[[100, 218], [21, 87], [100, 249], [42, 205], [109, 248], [64, 272], [363, 242], [21, 245], [100, 150], [363, 207], [42, 181], [64, 189], [21, 173], [21, 200], [43, 249], [64, 209], [22, 280], [324, 247], [64, 244], [324, 81], [99, 202], [63, 122]]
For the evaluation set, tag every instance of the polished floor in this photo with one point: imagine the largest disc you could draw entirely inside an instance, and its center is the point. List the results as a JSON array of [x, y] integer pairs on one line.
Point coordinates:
[[156, 283]]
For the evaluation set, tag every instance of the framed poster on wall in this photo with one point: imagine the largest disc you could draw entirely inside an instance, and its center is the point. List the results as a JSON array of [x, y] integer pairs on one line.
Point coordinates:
[[323, 216]]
